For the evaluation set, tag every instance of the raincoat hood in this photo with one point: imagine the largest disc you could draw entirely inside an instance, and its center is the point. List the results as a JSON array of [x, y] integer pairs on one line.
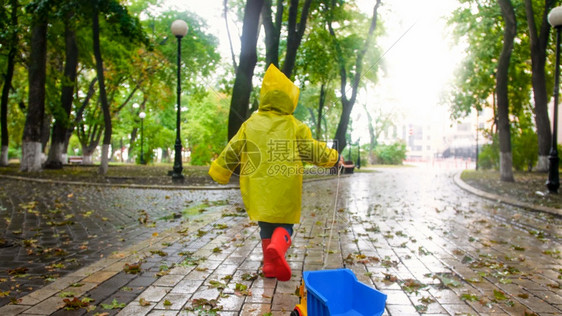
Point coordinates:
[[278, 93]]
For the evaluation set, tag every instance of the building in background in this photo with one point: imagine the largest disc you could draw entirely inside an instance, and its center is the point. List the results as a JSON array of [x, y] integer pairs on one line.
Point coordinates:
[[435, 136]]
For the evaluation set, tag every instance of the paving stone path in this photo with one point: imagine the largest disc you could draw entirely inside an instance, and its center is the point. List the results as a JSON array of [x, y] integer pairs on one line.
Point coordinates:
[[433, 248], [49, 230]]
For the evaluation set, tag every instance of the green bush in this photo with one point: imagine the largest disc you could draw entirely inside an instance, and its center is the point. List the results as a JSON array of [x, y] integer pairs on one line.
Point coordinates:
[[489, 157], [392, 154], [207, 131], [524, 152], [200, 155], [14, 153], [148, 154]]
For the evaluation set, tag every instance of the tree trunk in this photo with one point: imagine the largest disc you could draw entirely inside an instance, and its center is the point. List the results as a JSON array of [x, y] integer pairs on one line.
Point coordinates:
[[132, 141], [321, 103], [348, 102], [165, 154], [372, 136], [87, 158], [272, 31], [31, 141], [510, 31], [89, 149], [13, 42], [340, 139], [104, 153], [31, 156], [55, 158], [112, 151], [103, 95], [4, 156], [121, 149], [539, 42], [89, 137], [79, 114], [248, 57], [295, 33], [62, 122], [45, 132]]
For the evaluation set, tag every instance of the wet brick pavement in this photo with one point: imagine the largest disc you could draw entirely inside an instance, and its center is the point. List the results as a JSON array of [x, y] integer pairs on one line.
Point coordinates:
[[433, 248], [51, 229]]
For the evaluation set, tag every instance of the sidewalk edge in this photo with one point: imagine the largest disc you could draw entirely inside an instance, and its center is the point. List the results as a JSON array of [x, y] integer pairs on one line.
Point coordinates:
[[147, 186], [503, 199], [124, 185]]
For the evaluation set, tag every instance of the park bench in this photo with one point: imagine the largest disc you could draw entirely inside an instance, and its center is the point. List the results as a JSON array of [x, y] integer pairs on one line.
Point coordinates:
[[75, 159], [348, 167]]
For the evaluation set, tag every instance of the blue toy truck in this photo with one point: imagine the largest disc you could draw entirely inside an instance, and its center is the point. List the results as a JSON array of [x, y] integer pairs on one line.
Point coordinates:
[[337, 293]]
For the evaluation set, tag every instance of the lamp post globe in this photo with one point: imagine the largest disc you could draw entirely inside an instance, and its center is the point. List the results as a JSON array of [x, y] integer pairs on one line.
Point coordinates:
[[553, 182], [179, 29], [142, 115]]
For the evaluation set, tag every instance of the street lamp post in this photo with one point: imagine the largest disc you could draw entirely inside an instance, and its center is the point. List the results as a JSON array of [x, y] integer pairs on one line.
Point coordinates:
[[179, 29], [358, 153], [142, 115], [553, 182], [476, 160]]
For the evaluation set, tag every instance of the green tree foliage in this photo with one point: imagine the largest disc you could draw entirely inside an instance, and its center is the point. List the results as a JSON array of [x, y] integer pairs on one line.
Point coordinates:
[[325, 59], [526, 157], [523, 137], [157, 95], [392, 154], [489, 156], [317, 68], [481, 25], [138, 68], [14, 39], [539, 34], [242, 88], [139, 61], [205, 129], [9, 38], [321, 115], [378, 121], [351, 49]]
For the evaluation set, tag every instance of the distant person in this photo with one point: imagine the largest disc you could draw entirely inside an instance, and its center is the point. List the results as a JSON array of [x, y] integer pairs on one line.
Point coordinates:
[[269, 148]]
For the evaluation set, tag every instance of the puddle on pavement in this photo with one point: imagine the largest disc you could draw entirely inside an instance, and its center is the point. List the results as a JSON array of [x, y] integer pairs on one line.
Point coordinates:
[[193, 212]]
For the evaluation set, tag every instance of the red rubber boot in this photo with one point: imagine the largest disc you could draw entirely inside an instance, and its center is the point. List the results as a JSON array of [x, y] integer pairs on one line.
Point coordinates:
[[280, 242], [268, 266]]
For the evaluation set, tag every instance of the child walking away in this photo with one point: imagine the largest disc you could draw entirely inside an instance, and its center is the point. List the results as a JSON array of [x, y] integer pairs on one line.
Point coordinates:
[[270, 148]]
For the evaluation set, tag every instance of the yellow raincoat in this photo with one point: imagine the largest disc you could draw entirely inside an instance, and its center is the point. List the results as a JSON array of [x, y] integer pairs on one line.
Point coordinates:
[[270, 148]]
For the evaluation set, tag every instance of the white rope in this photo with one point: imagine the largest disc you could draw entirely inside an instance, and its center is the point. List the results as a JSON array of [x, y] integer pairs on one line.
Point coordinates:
[[333, 218]]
